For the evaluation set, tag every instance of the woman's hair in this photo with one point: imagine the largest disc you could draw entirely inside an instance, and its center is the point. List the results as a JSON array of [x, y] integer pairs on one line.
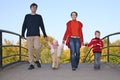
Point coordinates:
[[74, 12], [33, 4], [97, 32]]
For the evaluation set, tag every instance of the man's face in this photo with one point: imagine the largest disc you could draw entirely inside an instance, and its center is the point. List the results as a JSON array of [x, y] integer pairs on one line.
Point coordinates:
[[33, 9], [97, 35], [73, 16]]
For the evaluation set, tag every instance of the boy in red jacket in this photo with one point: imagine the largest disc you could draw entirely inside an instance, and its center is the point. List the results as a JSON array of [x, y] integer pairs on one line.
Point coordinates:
[[97, 44]]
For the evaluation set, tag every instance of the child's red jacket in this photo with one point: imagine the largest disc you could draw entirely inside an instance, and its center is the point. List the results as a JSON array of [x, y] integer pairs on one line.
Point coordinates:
[[97, 45]]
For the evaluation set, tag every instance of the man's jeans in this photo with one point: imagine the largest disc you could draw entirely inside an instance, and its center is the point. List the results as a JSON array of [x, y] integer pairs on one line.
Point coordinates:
[[97, 60], [75, 52]]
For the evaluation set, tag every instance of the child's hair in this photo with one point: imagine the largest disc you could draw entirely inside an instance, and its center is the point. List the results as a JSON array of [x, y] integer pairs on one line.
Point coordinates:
[[33, 4], [55, 41], [97, 32]]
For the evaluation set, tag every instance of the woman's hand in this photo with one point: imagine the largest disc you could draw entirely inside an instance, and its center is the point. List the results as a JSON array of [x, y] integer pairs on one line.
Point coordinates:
[[63, 42]]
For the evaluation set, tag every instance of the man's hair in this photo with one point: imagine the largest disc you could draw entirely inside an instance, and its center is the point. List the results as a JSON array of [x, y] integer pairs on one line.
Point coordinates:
[[97, 32], [33, 4], [74, 12]]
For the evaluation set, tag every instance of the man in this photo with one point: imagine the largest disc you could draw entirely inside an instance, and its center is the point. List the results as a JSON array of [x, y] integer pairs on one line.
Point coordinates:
[[32, 23]]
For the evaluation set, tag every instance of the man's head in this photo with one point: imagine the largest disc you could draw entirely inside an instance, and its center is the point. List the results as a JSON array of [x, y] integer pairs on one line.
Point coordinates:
[[33, 7], [97, 34], [74, 15]]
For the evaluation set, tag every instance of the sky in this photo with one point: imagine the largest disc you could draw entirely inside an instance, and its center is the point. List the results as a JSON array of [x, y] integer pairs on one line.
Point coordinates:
[[103, 15]]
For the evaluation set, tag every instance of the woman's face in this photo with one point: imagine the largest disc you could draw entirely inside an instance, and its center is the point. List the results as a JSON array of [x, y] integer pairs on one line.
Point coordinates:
[[73, 16]]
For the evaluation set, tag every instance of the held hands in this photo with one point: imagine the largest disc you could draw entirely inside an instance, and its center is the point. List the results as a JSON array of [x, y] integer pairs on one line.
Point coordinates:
[[46, 38], [63, 42], [22, 37], [86, 44]]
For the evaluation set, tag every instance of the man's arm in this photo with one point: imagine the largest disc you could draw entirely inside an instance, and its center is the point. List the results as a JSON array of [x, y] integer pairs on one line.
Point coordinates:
[[24, 27], [42, 27]]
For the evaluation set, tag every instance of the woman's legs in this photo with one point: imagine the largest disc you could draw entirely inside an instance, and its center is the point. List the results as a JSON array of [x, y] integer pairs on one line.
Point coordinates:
[[77, 51], [72, 53]]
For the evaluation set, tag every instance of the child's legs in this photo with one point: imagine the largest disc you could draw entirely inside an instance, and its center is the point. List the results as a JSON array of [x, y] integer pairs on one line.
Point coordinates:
[[57, 62], [30, 44], [37, 47], [53, 60], [97, 59]]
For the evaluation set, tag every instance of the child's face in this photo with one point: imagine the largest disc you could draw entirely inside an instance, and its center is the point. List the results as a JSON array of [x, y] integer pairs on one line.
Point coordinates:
[[55, 43], [97, 35]]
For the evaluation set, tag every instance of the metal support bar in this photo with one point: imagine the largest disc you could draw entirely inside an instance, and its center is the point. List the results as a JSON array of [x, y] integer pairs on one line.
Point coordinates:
[[108, 49], [20, 44], [0, 49]]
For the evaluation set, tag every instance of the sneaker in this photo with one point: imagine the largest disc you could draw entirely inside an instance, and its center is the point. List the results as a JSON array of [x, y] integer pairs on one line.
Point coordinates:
[[38, 64], [98, 67], [31, 67], [95, 68]]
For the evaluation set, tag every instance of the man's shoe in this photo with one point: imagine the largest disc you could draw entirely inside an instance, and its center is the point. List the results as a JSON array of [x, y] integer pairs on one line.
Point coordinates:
[[31, 67], [38, 64]]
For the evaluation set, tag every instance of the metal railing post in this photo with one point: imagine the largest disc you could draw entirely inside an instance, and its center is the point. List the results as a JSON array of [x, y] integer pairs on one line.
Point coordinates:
[[0, 49], [20, 44], [108, 49]]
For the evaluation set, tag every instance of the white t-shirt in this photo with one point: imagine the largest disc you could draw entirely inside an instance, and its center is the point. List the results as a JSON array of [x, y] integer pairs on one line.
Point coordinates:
[[58, 50]]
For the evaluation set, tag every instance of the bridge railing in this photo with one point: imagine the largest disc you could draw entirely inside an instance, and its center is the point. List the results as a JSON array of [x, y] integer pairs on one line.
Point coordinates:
[[108, 46], [3, 46]]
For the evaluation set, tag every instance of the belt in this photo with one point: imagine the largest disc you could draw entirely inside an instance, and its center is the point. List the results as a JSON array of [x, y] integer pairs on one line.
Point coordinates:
[[75, 37]]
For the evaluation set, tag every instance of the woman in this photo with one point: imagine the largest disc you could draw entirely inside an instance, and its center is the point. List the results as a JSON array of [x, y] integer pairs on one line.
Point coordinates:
[[74, 39]]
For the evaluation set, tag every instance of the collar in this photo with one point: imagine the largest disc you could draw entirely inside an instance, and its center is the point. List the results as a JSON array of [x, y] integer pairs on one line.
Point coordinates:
[[97, 38]]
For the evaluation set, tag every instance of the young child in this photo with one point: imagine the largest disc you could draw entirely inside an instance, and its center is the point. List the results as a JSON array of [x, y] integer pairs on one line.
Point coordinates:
[[97, 45], [55, 52]]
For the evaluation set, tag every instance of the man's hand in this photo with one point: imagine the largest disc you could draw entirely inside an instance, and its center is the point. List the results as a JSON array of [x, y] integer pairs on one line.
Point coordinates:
[[46, 38], [23, 37]]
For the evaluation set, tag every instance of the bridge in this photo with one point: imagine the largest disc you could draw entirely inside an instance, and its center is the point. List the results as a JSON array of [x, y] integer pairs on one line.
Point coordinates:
[[17, 70]]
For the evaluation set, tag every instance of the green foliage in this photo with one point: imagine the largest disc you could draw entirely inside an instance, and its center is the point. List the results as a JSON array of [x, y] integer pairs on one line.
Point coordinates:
[[45, 56]]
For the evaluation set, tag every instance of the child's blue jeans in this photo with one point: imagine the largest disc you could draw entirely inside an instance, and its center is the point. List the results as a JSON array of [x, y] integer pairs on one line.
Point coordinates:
[[97, 60]]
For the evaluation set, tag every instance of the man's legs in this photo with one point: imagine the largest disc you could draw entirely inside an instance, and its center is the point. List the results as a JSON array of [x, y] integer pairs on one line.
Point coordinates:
[[30, 44], [37, 49]]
